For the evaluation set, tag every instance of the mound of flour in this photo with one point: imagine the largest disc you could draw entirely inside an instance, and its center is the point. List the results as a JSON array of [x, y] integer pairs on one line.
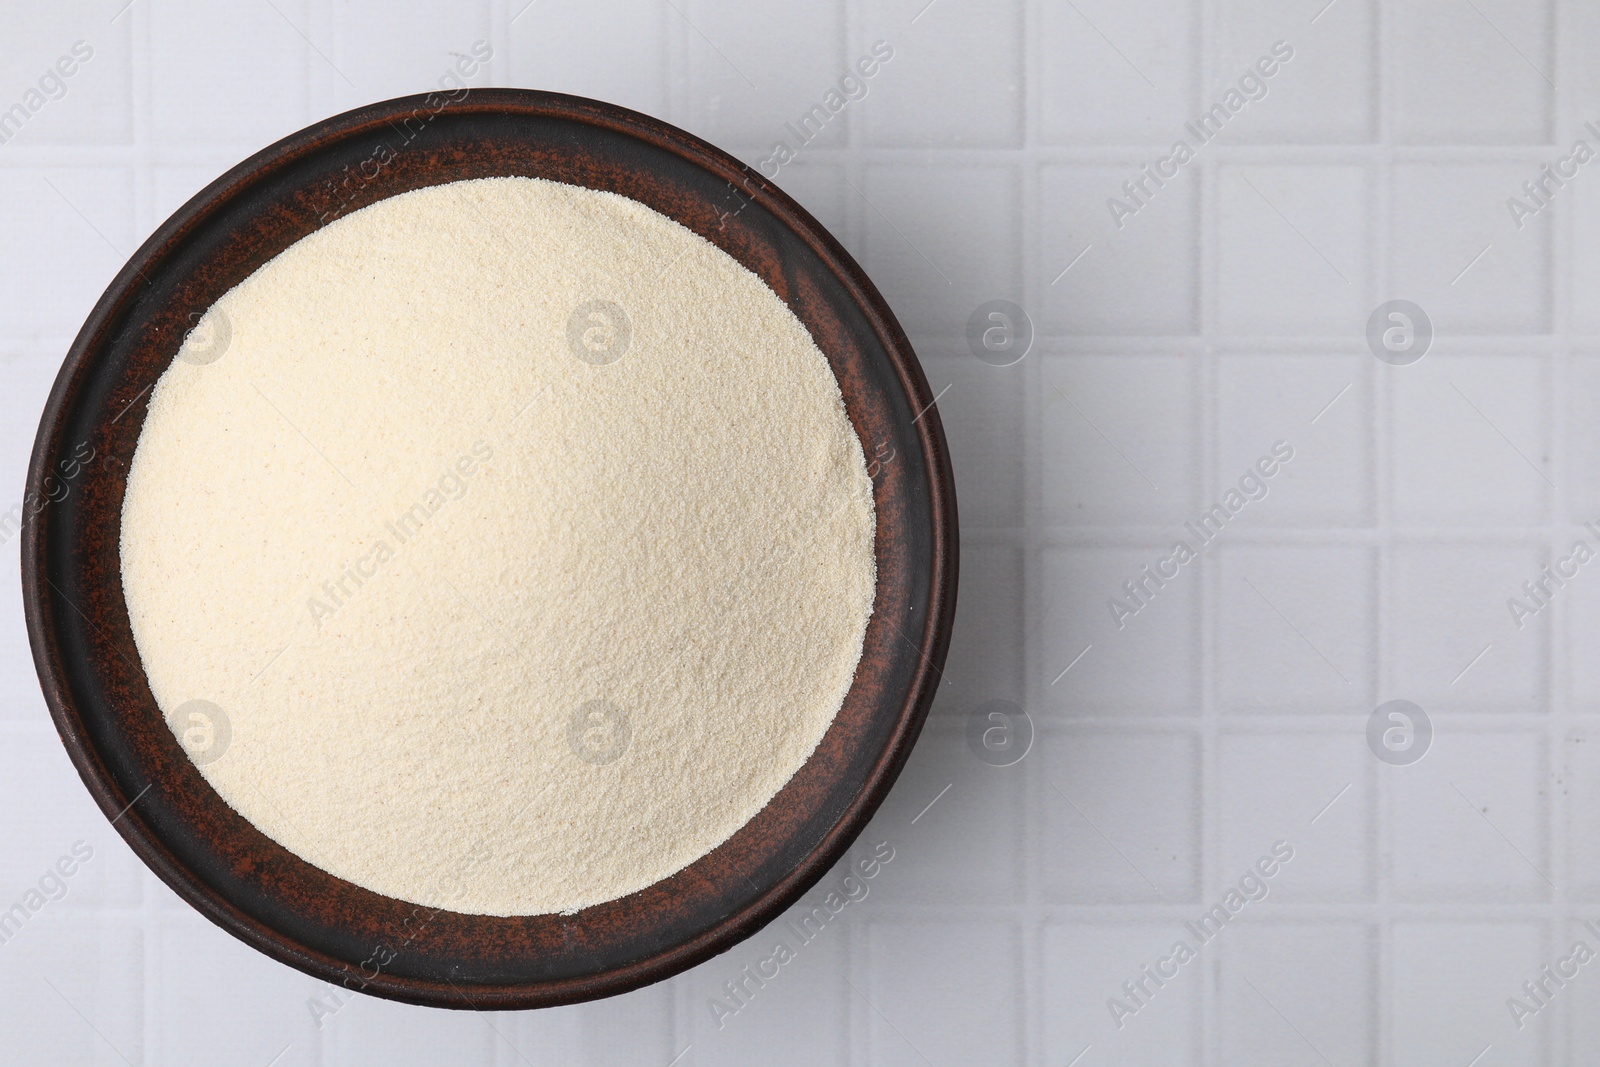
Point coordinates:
[[502, 547]]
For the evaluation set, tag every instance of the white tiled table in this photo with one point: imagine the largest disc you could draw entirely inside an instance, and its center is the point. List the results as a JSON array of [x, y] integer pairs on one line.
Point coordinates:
[[1226, 315]]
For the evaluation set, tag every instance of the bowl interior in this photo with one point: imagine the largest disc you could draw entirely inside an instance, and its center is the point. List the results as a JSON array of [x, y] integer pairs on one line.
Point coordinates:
[[101, 701]]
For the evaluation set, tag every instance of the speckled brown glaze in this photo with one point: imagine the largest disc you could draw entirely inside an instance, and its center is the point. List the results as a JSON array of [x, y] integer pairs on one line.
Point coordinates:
[[254, 888]]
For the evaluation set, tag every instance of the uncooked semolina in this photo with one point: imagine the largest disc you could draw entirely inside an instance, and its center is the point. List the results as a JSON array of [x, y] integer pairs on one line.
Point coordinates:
[[502, 546]]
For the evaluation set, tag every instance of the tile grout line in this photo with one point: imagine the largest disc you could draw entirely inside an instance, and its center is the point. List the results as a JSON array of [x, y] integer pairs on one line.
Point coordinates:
[[1556, 380], [1379, 828]]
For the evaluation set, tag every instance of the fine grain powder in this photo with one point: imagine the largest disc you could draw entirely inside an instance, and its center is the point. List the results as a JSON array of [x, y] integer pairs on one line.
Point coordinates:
[[502, 546]]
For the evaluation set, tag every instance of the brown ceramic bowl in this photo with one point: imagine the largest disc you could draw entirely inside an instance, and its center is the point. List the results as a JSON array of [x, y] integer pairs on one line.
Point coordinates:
[[254, 888]]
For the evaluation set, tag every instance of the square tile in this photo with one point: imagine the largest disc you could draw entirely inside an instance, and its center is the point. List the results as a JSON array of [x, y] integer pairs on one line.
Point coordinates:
[[223, 1002], [1120, 816], [1572, 611], [1274, 1009], [1468, 821], [1576, 623], [1451, 642], [1578, 779], [27, 372], [1293, 249], [1120, 439], [1115, 73], [442, 49], [249, 97], [1579, 202], [1454, 252], [1580, 25], [1574, 1007], [631, 1030], [69, 73], [1291, 637], [1325, 93], [620, 58], [953, 80], [985, 658], [1139, 275], [76, 996], [761, 74], [920, 982], [56, 840], [400, 1034], [1272, 786], [1085, 966], [1471, 442], [781, 997], [540, 1037], [78, 225], [1093, 656], [1472, 74], [635, 1028], [1446, 998], [24, 700], [1582, 451], [939, 241], [1321, 407], [981, 409], [954, 825]]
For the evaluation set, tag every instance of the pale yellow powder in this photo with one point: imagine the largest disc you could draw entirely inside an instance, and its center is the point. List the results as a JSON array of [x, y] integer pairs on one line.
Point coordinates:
[[631, 585]]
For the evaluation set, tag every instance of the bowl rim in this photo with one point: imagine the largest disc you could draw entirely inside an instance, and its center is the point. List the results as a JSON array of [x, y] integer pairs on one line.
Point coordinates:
[[930, 644]]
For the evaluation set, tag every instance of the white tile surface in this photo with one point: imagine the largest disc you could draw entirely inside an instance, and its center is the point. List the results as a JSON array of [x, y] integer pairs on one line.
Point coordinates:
[[1298, 642], [1148, 667], [77, 225], [1123, 806], [73, 991], [1443, 217], [1226, 312], [1136, 278], [1470, 76], [1086, 963], [1119, 439], [1313, 790], [1451, 982], [1321, 405], [1471, 442], [954, 797], [1328, 93], [955, 80], [82, 68], [982, 411], [787, 58], [985, 661], [933, 272], [1093, 91], [1471, 825], [1293, 251], [196, 1020], [1274, 1009], [799, 1015], [1447, 609], [622, 58], [952, 991], [248, 97]]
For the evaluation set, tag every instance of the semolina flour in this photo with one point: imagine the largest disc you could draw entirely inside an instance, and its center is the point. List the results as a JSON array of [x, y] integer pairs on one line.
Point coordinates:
[[502, 546]]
